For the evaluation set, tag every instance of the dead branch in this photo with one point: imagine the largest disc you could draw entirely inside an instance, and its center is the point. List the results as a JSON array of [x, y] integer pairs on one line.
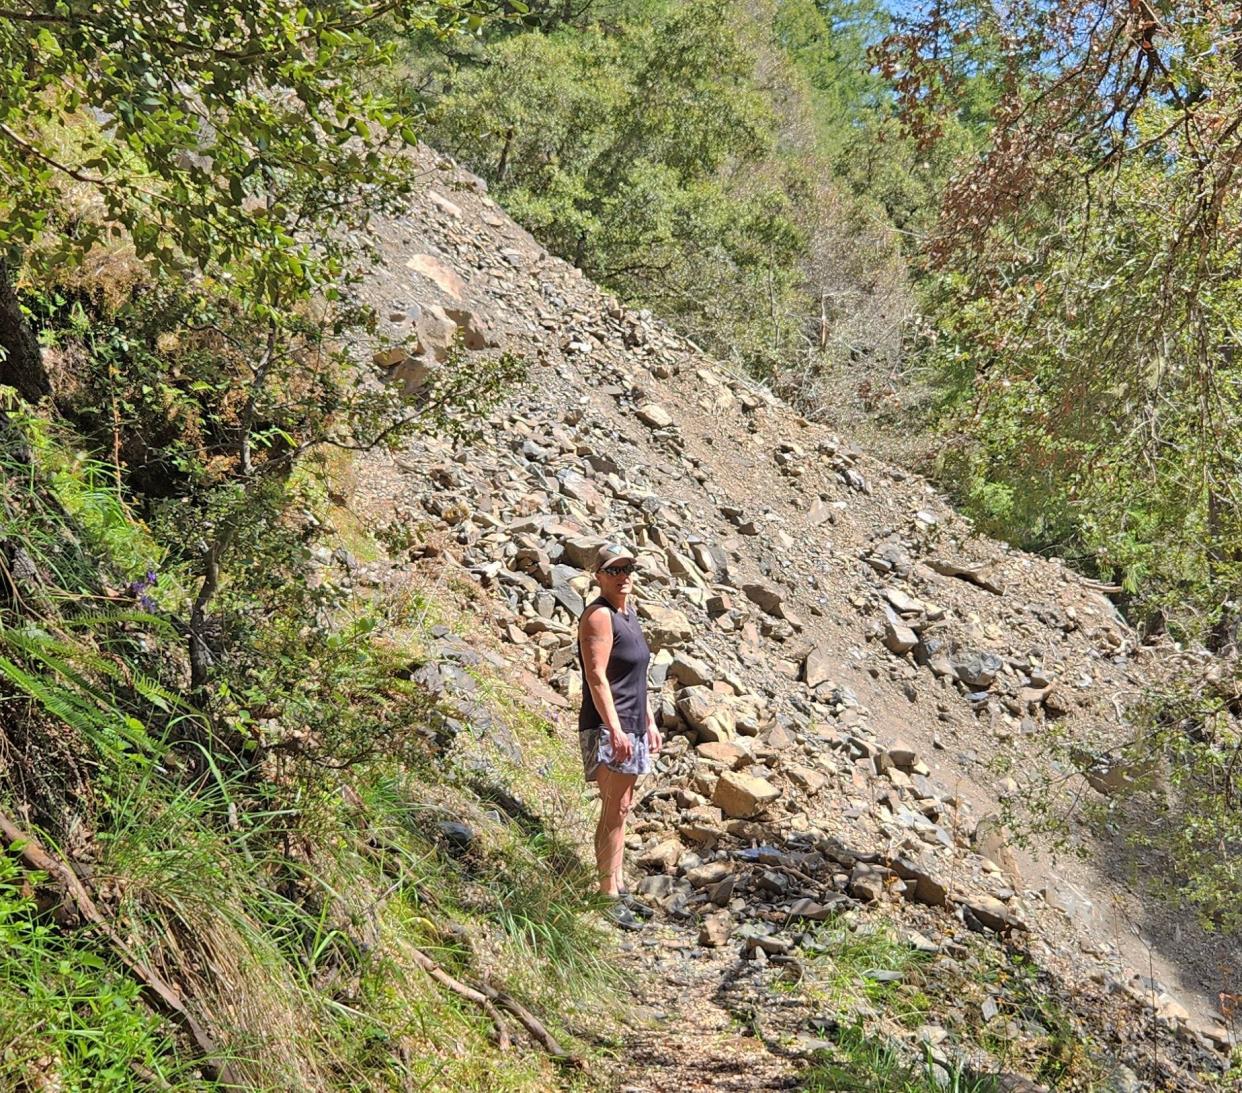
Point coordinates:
[[489, 999], [158, 994]]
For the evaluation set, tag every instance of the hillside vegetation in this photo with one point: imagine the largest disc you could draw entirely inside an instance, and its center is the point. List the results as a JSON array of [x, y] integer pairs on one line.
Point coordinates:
[[252, 843]]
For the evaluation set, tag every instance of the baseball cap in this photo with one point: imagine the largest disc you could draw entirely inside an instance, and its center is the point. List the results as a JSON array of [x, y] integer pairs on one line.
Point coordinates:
[[612, 553]]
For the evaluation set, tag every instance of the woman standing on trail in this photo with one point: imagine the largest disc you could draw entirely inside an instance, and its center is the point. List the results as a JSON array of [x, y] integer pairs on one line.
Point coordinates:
[[616, 731]]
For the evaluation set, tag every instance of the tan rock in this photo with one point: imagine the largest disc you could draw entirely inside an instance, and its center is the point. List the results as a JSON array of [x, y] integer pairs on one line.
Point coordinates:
[[898, 638], [992, 912], [708, 714], [662, 856], [690, 671], [582, 550], [991, 840], [765, 595], [701, 876], [743, 795], [721, 892], [437, 332], [811, 781], [477, 330], [731, 755], [715, 929], [817, 668], [923, 884], [438, 273], [444, 205], [704, 782], [653, 414], [867, 882], [666, 627]]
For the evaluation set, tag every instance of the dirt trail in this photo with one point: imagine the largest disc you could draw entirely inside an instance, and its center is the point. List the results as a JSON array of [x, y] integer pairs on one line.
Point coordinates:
[[695, 1029]]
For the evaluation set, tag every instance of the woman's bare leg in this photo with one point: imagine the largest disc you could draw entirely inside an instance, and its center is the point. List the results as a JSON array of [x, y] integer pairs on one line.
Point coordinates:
[[616, 795]]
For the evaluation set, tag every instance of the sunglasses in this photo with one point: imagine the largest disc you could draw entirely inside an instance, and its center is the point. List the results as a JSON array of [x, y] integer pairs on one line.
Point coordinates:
[[620, 570]]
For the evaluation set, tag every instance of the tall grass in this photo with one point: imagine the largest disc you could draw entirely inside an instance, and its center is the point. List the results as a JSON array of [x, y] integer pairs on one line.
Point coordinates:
[[283, 899]]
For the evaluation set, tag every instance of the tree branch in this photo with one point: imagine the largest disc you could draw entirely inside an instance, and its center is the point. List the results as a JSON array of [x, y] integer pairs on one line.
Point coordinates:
[[158, 994]]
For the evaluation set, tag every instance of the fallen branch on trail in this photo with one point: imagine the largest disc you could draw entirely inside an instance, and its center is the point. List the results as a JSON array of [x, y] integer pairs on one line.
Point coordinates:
[[486, 997], [489, 999], [157, 994]]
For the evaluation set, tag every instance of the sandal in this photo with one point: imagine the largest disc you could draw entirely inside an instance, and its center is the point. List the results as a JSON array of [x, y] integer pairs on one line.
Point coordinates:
[[622, 917], [635, 905]]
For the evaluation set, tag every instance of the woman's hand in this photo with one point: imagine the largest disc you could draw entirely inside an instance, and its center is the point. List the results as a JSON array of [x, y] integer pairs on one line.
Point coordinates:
[[622, 746], [654, 740]]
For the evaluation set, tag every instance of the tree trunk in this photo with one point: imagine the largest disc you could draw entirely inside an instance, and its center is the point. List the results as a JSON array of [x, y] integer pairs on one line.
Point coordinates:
[[503, 165], [22, 364]]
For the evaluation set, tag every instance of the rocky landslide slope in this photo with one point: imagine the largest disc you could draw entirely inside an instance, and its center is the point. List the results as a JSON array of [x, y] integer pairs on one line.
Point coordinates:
[[850, 679]]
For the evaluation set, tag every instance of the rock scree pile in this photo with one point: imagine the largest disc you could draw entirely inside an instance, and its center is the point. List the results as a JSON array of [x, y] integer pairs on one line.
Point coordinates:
[[842, 667]]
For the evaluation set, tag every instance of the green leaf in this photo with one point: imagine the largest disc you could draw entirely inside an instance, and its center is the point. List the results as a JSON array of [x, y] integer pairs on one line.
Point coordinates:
[[47, 42]]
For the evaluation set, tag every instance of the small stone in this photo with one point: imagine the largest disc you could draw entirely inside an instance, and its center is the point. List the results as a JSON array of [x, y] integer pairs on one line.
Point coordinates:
[[721, 751], [810, 910], [662, 856], [704, 876], [902, 756], [922, 884], [721, 892], [765, 595], [903, 604], [992, 913], [976, 670], [444, 205], [811, 781], [654, 415], [898, 638], [715, 929], [883, 975], [667, 628], [816, 667], [690, 671], [867, 882], [457, 836]]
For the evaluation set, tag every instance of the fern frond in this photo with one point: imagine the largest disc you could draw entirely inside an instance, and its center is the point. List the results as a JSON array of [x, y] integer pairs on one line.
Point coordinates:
[[100, 620], [58, 701]]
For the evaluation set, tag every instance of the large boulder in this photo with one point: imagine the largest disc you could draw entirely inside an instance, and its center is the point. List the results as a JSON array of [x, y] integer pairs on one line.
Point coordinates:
[[710, 715], [665, 627], [743, 795]]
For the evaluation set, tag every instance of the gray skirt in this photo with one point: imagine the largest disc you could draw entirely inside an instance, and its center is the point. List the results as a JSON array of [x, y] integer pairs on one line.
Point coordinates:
[[596, 745]]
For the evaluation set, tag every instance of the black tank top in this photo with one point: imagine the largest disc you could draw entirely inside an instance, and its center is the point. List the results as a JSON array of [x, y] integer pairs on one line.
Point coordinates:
[[627, 674]]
